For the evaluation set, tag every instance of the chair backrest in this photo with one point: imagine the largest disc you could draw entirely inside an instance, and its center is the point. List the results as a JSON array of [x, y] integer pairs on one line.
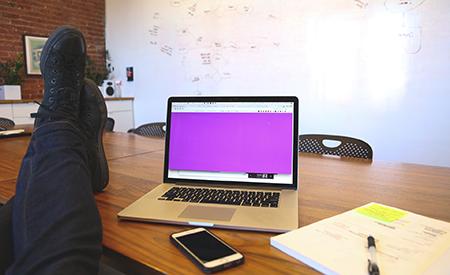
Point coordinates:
[[348, 147], [155, 129], [109, 125], [6, 122]]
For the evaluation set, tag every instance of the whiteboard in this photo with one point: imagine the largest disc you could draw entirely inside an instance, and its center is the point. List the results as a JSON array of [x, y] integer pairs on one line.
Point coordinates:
[[373, 69]]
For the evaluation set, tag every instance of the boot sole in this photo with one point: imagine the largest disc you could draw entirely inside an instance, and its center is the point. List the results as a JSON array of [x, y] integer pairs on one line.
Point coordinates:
[[101, 152]]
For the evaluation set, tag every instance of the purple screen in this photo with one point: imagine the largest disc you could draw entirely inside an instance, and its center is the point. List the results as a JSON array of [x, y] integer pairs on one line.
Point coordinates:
[[231, 142]]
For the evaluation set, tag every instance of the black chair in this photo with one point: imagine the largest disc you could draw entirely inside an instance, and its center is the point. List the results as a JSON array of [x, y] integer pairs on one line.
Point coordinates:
[[155, 129], [6, 123], [109, 125], [348, 147]]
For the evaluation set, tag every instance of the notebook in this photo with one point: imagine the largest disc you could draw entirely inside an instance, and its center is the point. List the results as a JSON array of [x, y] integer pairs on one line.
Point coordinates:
[[229, 162], [12, 133], [406, 243]]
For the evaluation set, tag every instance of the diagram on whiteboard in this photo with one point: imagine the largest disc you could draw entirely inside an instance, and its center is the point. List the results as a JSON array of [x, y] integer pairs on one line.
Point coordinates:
[[210, 39], [410, 32], [393, 5], [402, 5]]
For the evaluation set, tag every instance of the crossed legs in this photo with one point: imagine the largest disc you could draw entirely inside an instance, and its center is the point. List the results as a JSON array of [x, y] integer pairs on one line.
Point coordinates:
[[52, 225]]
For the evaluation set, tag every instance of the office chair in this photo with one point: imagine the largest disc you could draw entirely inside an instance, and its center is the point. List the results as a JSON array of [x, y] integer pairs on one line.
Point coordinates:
[[348, 147], [109, 125], [154, 129], [6, 123]]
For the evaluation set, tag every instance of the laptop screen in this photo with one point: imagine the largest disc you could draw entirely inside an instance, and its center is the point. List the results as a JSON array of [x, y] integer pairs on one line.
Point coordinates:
[[247, 142]]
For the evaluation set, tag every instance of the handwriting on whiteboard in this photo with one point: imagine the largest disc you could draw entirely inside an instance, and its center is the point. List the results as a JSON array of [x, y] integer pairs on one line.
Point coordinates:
[[207, 56]]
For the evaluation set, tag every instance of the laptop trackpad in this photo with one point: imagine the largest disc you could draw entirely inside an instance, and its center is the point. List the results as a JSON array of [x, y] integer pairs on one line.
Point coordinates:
[[207, 213]]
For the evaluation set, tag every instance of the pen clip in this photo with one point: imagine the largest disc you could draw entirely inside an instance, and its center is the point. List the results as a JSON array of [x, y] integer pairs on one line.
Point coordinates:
[[373, 269]]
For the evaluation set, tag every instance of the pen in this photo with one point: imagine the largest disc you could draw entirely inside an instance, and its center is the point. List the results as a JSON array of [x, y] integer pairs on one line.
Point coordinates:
[[373, 266]]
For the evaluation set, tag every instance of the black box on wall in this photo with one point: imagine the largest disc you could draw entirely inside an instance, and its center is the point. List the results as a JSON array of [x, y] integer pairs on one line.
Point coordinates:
[[130, 74]]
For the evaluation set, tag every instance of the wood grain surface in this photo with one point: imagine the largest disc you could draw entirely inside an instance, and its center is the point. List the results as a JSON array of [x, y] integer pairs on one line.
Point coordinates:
[[328, 186]]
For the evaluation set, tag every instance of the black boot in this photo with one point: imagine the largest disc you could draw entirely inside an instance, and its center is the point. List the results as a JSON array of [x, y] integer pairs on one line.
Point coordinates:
[[93, 118], [62, 65]]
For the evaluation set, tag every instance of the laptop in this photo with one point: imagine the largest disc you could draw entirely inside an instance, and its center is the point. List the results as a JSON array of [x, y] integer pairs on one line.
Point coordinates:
[[229, 162]]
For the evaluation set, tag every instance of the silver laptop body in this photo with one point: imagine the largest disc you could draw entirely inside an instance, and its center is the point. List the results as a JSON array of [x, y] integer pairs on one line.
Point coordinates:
[[230, 162]]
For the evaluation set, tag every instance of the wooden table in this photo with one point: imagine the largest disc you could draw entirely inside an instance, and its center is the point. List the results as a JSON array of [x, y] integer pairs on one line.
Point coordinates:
[[328, 186]]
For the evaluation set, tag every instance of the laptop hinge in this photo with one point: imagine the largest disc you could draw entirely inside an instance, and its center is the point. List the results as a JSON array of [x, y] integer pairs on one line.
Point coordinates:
[[209, 185]]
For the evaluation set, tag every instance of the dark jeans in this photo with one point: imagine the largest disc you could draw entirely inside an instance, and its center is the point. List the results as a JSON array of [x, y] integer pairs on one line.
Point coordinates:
[[56, 227]]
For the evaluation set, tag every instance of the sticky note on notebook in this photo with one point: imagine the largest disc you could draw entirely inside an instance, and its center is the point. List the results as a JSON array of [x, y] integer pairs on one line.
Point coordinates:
[[381, 212]]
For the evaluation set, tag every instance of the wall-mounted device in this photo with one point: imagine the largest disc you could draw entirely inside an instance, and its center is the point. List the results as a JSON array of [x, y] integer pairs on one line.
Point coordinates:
[[130, 74], [110, 89]]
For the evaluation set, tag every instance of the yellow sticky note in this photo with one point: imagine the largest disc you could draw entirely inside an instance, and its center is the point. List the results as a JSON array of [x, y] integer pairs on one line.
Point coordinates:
[[381, 213]]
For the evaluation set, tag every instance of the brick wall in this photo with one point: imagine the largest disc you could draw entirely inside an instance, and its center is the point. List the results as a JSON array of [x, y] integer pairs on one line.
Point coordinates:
[[19, 17]]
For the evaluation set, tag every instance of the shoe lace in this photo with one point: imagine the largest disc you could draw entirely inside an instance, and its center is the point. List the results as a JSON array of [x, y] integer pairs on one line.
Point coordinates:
[[67, 70], [65, 103], [67, 64]]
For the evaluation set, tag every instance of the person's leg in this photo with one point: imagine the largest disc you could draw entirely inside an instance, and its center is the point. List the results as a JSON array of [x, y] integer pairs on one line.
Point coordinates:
[[56, 225]]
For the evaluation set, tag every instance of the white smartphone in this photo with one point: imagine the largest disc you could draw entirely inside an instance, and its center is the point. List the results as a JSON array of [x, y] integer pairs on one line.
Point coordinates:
[[206, 250]]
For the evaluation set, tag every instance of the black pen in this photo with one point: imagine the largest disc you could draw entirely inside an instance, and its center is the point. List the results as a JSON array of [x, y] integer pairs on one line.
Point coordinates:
[[373, 266]]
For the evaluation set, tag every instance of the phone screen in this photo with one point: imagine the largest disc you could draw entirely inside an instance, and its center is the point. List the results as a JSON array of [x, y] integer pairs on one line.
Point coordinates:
[[205, 246]]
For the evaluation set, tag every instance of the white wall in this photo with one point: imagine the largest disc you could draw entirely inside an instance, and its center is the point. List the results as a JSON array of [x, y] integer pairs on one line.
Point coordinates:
[[372, 69]]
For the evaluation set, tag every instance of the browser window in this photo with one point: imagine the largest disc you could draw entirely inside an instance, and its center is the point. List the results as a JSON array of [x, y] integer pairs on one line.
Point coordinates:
[[232, 141]]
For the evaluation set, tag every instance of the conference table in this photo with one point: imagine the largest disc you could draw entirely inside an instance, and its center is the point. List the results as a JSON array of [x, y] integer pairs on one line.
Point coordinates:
[[327, 186]]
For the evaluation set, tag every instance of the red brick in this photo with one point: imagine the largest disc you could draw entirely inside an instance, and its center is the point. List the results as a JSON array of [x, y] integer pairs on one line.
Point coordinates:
[[41, 18]]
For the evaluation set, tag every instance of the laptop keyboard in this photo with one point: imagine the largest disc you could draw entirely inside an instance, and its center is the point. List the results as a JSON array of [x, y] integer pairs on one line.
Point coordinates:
[[222, 196]]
